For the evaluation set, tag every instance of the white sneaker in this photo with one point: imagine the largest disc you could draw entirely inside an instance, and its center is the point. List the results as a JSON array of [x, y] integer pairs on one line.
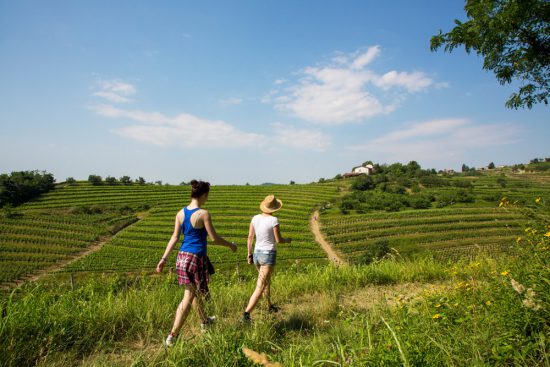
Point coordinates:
[[209, 321], [170, 340]]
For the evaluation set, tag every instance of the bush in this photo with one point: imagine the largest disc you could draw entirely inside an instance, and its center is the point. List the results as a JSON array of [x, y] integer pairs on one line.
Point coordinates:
[[70, 181], [19, 187], [433, 181], [362, 183], [95, 180], [420, 201], [374, 252], [126, 180], [109, 180]]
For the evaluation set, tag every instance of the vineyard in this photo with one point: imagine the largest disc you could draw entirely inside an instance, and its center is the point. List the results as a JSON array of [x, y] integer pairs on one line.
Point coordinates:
[[46, 231], [449, 232]]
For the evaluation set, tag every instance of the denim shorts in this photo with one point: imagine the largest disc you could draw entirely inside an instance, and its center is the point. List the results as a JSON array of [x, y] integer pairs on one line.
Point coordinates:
[[264, 258]]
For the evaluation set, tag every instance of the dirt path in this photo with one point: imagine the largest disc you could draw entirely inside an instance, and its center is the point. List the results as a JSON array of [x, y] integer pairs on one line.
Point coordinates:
[[315, 229], [63, 263]]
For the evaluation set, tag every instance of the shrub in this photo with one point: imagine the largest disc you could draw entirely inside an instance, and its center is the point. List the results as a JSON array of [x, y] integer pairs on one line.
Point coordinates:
[[126, 180], [95, 179], [109, 180], [375, 251], [70, 180], [362, 183], [19, 187]]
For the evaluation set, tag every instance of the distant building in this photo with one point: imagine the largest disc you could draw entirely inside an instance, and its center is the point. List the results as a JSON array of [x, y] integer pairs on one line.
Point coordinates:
[[367, 170], [449, 171]]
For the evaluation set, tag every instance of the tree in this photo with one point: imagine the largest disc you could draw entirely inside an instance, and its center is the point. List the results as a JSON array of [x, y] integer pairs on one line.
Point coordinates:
[[110, 180], [140, 180], [491, 165], [94, 179], [292, 182], [126, 180], [465, 168], [70, 180], [513, 36]]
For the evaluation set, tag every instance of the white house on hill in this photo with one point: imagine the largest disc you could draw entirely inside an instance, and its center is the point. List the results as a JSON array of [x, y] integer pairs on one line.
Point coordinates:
[[363, 169]]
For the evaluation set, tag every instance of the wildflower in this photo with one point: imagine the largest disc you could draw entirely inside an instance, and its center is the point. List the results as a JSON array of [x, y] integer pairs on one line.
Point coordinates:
[[518, 287], [526, 230], [529, 303], [438, 305], [505, 273], [518, 240], [436, 316], [547, 234], [537, 200], [488, 303]]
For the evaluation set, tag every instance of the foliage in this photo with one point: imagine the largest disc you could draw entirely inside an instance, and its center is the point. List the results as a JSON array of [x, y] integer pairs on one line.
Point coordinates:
[[70, 180], [362, 183], [513, 37], [373, 252], [19, 187], [126, 180], [110, 180], [95, 180]]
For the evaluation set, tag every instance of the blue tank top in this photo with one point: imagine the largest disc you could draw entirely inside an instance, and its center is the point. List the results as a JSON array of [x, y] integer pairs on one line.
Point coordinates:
[[194, 239]]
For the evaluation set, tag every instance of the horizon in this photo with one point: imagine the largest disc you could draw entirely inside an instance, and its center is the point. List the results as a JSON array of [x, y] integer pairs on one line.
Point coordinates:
[[248, 93]]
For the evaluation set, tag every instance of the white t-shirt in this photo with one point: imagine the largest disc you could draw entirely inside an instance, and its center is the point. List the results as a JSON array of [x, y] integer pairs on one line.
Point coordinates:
[[263, 227]]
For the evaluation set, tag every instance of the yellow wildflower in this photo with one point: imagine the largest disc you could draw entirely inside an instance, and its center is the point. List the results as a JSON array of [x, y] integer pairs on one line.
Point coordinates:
[[488, 303], [438, 305], [537, 200], [518, 240], [436, 316], [505, 272], [547, 234]]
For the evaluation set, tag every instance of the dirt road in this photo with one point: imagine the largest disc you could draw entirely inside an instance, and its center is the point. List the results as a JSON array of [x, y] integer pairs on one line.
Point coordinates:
[[315, 229]]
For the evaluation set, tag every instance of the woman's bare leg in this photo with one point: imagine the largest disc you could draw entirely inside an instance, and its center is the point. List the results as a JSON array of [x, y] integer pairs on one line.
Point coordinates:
[[263, 277], [183, 308], [267, 289]]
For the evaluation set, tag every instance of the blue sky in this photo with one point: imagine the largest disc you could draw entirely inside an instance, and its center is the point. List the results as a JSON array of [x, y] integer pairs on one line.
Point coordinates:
[[247, 91]]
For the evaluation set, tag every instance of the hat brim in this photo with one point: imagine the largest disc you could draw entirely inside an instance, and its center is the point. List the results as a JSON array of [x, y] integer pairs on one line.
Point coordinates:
[[265, 209]]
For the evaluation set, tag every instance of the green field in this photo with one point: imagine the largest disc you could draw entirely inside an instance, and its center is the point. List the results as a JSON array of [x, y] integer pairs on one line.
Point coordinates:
[[45, 232], [449, 232]]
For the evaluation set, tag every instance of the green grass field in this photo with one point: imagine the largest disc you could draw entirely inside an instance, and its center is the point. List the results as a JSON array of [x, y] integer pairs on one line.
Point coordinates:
[[488, 308], [446, 233]]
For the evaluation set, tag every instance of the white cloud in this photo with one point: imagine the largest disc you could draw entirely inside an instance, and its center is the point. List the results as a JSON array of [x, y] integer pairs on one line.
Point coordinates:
[[279, 81], [299, 138], [230, 101], [438, 141], [115, 91], [182, 130], [366, 58], [344, 91]]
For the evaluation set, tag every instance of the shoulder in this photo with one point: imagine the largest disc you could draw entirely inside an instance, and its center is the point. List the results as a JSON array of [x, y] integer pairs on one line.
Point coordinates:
[[274, 220], [203, 213]]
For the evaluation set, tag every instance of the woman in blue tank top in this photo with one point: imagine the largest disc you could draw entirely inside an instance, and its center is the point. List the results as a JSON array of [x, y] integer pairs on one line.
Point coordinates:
[[192, 264]]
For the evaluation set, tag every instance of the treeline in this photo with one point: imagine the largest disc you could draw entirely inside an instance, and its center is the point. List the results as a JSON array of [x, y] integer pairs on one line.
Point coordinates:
[[97, 180], [19, 187]]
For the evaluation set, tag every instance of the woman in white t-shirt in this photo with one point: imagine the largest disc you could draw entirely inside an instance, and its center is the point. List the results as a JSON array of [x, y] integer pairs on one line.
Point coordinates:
[[265, 227]]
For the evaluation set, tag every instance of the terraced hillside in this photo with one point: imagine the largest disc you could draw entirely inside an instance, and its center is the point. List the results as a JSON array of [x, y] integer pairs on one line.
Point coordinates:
[[458, 229], [52, 234]]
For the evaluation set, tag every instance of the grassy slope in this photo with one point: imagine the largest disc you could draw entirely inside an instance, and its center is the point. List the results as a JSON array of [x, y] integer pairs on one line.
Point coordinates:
[[46, 231], [449, 232]]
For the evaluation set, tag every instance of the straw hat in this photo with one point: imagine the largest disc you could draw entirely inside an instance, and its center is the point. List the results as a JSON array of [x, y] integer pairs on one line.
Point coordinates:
[[270, 204]]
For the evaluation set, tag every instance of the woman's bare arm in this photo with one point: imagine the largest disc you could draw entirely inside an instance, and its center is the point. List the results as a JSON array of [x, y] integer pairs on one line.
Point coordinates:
[[173, 240], [278, 237], [249, 243], [218, 240]]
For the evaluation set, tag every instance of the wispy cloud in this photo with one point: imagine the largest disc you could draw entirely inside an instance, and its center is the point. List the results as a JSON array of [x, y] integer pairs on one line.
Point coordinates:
[[182, 130], [346, 91], [438, 141], [230, 101], [301, 138], [115, 91]]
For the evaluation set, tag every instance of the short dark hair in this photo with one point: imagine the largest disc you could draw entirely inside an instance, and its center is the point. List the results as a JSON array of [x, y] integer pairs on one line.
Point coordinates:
[[199, 188]]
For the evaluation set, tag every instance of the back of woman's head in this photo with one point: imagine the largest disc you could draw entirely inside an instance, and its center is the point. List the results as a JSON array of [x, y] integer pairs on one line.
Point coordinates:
[[199, 188]]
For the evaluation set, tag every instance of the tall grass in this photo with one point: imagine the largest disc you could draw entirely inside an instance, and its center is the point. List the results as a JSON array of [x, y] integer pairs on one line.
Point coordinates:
[[470, 316]]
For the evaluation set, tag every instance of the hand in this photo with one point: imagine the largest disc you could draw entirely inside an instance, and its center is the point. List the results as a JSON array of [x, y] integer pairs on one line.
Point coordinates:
[[233, 247], [250, 259], [160, 265]]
